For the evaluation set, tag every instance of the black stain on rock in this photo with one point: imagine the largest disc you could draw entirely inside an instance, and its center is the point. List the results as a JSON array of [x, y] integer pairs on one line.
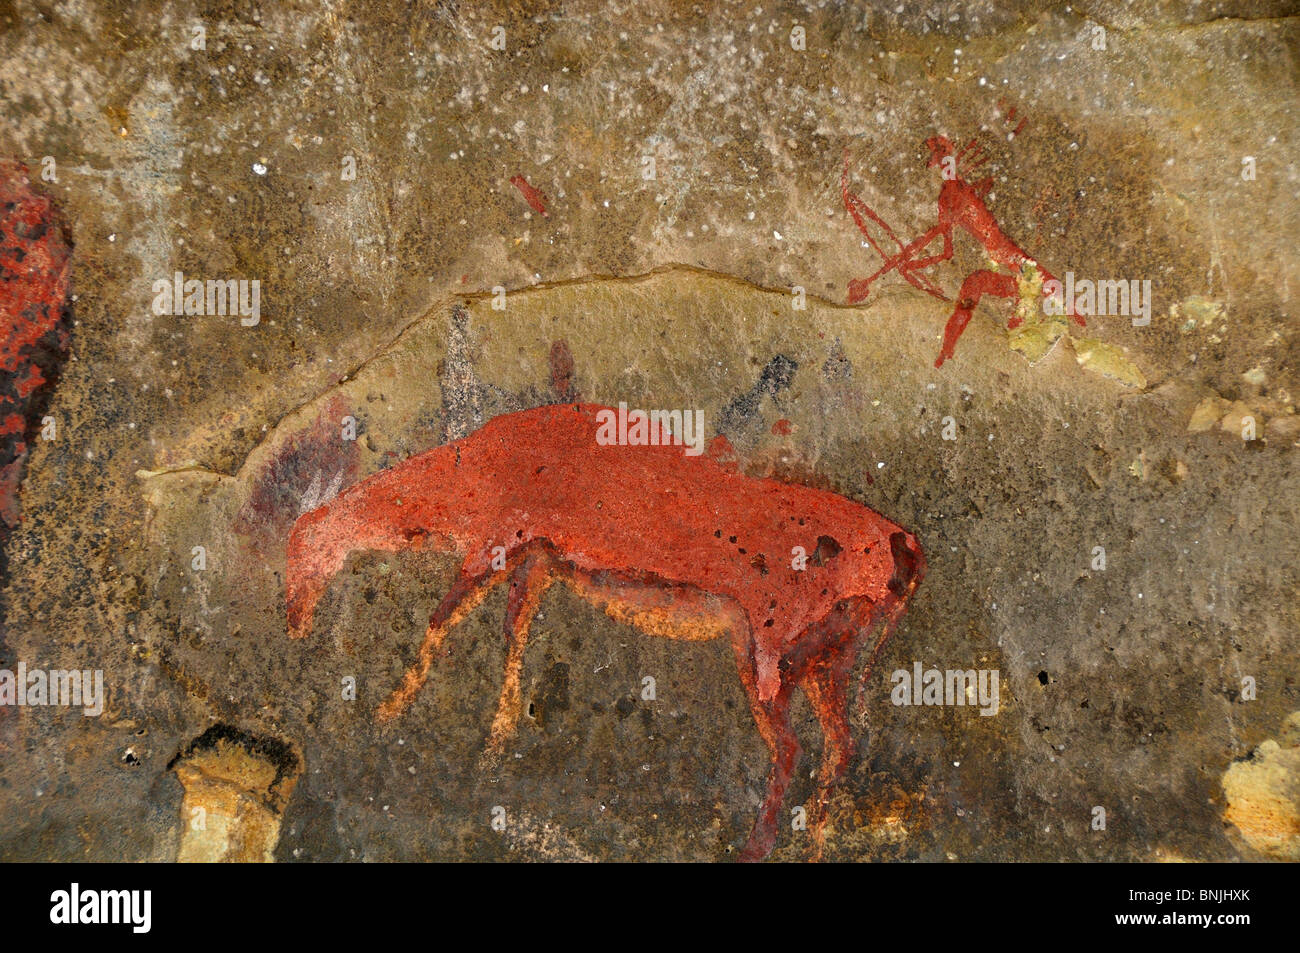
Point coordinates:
[[742, 413]]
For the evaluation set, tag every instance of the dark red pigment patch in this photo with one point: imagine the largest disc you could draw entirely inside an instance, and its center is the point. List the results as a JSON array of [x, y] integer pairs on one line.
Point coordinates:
[[533, 197], [1009, 116], [782, 428], [561, 361], [535, 497], [961, 205], [35, 281], [311, 467]]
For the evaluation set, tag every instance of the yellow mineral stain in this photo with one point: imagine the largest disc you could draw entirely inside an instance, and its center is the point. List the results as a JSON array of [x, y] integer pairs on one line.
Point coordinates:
[[232, 804], [1108, 361], [1207, 413], [1264, 794], [1039, 331]]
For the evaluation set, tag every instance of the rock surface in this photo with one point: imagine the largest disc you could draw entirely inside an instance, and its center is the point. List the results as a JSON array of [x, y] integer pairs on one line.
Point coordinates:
[[1108, 511]]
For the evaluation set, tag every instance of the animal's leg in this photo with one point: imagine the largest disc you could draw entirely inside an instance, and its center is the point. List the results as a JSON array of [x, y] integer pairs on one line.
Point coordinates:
[[975, 286], [527, 586], [465, 595], [827, 689], [1018, 261], [773, 721], [785, 758], [924, 283]]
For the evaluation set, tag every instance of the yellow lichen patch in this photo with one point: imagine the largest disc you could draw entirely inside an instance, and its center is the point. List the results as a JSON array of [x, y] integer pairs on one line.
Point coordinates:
[[1108, 361], [1264, 795], [1039, 331], [234, 794], [1196, 311], [1206, 414]]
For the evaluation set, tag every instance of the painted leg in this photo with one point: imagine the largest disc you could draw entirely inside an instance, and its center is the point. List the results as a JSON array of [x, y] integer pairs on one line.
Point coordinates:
[[827, 690], [527, 586], [907, 268], [773, 722], [774, 719], [977, 285], [886, 630], [464, 597], [859, 288]]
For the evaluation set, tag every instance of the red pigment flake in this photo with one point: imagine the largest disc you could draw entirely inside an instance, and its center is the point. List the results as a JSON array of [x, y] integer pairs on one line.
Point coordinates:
[[34, 285], [534, 198], [782, 428]]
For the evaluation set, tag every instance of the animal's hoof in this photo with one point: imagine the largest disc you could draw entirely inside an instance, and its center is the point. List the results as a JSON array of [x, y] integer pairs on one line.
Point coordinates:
[[757, 848]]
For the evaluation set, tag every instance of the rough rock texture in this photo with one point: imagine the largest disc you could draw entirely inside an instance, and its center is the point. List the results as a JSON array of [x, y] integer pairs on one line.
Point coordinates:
[[1147, 681]]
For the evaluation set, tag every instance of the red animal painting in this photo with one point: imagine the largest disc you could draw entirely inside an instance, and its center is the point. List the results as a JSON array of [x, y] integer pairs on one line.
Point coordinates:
[[675, 545], [961, 205]]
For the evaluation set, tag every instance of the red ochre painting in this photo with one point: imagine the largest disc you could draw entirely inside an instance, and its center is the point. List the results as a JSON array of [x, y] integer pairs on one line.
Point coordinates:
[[961, 205], [976, 543], [798, 579], [34, 288]]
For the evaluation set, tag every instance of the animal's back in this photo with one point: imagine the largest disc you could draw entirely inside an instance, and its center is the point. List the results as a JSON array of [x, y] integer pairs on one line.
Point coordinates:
[[652, 509]]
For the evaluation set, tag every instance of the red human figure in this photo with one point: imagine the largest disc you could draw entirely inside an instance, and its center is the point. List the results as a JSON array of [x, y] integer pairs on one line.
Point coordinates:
[[961, 204]]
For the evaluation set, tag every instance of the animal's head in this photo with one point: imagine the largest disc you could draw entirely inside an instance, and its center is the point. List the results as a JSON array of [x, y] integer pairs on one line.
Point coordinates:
[[860, 572], [907, 568], [859, 563]]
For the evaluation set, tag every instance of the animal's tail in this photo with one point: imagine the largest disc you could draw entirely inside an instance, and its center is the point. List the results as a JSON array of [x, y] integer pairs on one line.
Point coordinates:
[[909, 570]]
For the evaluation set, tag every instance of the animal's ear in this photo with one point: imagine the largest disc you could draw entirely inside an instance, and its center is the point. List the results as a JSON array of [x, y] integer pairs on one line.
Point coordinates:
[[908, 565], [721, 452]]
